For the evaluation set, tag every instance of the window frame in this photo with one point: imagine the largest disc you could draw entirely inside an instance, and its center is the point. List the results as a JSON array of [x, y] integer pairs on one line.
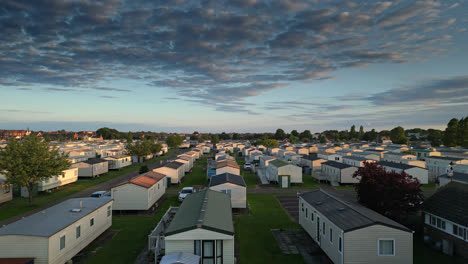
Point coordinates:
[[213, 256], [77, 231], [109, 211], [64, 237], [222, 251], [378, 247], [331, 236], [91, 222], [340, 244], [324, 228]]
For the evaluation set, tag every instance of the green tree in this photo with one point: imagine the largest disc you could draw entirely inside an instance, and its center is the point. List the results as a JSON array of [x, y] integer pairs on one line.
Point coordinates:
[[450, 135], [306, 134], [322, 139], [361, 132], [154, 147], [129, 137], [294, 133], [224, 136], [397, 135], [139, 149], [235, 136], [174, 140], [293, 139], [280, 135], [344, 135], [435, 137], [270, 143], [464, 133], [352, 133], [31, 161], [214, 139]]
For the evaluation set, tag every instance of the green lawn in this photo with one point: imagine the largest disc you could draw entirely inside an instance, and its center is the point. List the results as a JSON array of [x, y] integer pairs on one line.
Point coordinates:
[[132, 236], [251, 179], [197, 176], [429, 186], [253, 232], [21, 205]]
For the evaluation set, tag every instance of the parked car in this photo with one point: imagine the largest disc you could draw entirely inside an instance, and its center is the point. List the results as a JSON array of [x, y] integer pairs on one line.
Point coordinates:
[[247, 166], [100, 194], [184, 192]]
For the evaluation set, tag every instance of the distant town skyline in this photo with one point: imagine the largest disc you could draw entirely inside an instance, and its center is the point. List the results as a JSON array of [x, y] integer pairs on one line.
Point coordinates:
[[233, 66]]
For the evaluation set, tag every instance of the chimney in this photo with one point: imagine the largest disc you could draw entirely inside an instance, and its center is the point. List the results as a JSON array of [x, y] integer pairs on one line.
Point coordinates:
[[81, 203]]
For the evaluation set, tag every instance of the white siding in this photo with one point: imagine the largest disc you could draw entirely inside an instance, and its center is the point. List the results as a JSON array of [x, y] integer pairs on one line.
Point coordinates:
[[360, 246], [238, 194]]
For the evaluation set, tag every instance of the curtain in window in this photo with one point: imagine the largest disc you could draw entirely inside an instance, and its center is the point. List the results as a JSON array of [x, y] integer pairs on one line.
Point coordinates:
[[197, 248], [208, 252], [385, 247]]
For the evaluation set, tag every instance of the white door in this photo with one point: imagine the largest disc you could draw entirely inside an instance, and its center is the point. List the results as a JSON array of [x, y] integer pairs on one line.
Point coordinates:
[[284, 183]]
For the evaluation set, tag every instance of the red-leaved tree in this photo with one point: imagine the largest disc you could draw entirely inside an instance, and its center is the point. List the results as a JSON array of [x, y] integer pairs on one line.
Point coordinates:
[[392, 194]]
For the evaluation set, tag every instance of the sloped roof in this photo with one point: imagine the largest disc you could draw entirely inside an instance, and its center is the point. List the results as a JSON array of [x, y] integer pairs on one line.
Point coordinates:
[[227, 178], [174, 165], [224, 163], [312, 158], [338, 165], [457, 176], [345, 214], [207, 209], [397, 165], [445, 158], [278, 163], [94, 161], [148, 179], [450, 202], [53, 219], [180, 257]]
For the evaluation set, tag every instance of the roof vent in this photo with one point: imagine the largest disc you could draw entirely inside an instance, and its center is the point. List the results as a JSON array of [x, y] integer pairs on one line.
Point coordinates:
[[76, 210], [341, 209], [318, 202]]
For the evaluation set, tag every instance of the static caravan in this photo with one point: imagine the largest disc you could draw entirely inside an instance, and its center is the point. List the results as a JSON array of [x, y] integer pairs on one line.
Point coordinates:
[[367, 155], [312, 164], [207, 231], [441, 165], [189, 158], [6, 190], [455, 177], [264, 160], [338, 172], [175, 170], [92, 167], [233, 185], [140, 193], [283, 173], [349, 233], [227, 166], [56, 234], [416, 172], [186, 160], [356, 161], [68, 176], [119, 161]]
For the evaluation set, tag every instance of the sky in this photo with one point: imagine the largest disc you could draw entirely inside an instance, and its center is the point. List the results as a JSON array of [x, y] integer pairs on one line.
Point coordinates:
[[234, 66]]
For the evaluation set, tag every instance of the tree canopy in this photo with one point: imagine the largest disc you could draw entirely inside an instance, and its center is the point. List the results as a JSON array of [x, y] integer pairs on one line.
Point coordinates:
[[389, 193], [174, 140], [270, 143], [280, 135], [31, 161], [397, 135]]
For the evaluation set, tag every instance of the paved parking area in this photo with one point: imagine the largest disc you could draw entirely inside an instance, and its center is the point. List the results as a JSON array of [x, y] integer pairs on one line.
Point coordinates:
[[299, 242], [290, 204]]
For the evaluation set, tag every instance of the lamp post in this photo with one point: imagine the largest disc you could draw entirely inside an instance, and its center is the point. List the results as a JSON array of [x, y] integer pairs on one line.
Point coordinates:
[[451, 170]]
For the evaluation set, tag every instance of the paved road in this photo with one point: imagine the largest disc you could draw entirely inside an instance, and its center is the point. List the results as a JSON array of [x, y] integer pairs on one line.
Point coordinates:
[[86, 193]]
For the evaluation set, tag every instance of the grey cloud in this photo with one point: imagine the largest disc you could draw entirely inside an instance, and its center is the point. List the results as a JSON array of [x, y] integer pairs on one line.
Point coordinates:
[[438, 91], [201, 52]]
